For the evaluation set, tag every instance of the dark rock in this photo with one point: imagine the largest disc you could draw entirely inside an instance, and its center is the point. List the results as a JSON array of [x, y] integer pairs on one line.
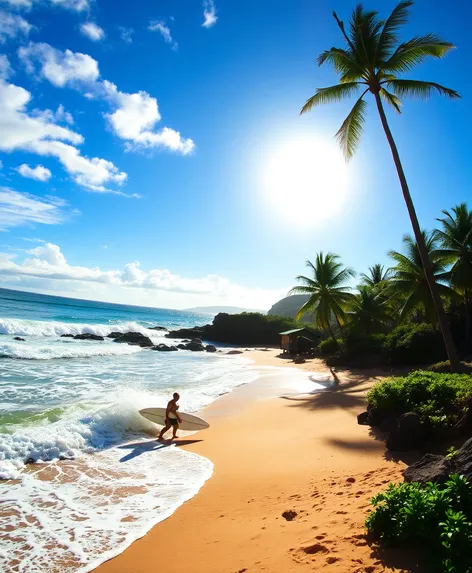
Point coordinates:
[[182, 346], [195, 346], [88, 336], [408, 434], [429, 468], [299, 360], [464, 425], [20, 339], [67, 336], [389, 423], [289, 515], [363, 419], [157, 328], [462, 461], [135, 338], [164, 348], [376, 415], [210, 348], [114, 334], [234, 352], [196, 332]]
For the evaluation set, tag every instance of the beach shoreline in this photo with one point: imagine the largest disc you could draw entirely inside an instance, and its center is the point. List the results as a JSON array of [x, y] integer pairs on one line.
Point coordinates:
[[276, 447]]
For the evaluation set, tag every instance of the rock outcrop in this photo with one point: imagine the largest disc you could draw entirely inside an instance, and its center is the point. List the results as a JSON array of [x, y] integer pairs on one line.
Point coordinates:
[[88, 336], [19, 339], [438, 468], [164, 348], [135, 338]]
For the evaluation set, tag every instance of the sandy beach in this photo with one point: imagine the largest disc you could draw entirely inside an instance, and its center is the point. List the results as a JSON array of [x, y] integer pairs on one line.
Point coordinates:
[[277, 450]]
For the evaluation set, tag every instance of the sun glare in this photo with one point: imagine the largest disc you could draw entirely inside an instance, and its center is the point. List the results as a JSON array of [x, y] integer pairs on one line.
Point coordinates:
[[305, 181]]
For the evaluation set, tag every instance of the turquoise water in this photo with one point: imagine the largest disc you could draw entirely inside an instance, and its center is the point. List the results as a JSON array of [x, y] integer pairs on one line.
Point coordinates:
[[86, 467]]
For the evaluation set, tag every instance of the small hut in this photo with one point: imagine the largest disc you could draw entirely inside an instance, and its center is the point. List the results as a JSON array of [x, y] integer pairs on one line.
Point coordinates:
[[298, 341]]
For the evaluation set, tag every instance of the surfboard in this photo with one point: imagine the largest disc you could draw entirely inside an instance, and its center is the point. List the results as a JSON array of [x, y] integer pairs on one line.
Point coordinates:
[[189, 423]]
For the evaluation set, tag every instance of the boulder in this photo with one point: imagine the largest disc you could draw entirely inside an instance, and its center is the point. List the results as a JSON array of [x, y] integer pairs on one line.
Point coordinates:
[[234, 352], [114, 334], [67, 336], [182, 346], [196, 332], [88, 336], [210, 348], [164, 348], [19, 338], [299, 360], [408, 434], [462, 461], [376, 415], [429, 468], [195, 346], [363, 419], [135, 338]]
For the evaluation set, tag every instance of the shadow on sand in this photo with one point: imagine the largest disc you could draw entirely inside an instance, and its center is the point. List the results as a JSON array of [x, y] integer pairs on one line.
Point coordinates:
[[139, 448]]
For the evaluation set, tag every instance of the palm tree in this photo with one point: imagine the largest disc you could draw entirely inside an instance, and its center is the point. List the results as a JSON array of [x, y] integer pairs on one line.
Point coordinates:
[[456, 242], [409, 281], [329, 292], [369, 310], [377, 276], [372, 60]]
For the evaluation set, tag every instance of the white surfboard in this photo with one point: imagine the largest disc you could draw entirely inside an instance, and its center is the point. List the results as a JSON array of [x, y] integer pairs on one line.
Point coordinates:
[[189, 423]]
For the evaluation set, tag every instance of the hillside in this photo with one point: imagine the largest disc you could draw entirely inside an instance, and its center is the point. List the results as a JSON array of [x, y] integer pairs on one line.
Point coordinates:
[[218, 309], [289, 306]]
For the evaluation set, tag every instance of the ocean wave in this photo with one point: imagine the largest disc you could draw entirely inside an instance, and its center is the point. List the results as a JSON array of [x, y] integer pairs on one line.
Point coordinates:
[[65, 349], [19, 327]]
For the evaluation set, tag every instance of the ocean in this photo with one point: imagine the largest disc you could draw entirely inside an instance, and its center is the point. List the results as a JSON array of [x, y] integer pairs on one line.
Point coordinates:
[[82, 475]]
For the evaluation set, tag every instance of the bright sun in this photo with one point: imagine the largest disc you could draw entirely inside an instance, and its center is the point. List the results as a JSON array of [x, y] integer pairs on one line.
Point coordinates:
[[306, 181]]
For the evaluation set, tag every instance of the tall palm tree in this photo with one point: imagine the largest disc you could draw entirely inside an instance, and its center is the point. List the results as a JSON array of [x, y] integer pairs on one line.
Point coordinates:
[[369, 311], [409, 281], [372, 61], [377, 275], [329, 292], [456, 242]]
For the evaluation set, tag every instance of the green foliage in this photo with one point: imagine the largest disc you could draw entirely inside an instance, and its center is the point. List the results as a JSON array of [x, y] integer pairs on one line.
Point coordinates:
[[451, 452], [414, 344], [434, 518], [439, 399], [364, 344], [249, 328], [328, 347]]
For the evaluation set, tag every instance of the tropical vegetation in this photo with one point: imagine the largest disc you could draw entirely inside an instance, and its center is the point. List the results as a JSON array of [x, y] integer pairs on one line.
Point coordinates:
[[372, 61], [435, 519], [392, 309]]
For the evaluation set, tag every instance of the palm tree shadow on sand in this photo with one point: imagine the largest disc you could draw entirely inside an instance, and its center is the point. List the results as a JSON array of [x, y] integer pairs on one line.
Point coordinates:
[[140, 448]]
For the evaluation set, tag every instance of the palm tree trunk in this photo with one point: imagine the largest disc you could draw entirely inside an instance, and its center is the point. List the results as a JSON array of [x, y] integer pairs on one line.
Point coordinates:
[[467, 320], [438, 305], [332, 333]]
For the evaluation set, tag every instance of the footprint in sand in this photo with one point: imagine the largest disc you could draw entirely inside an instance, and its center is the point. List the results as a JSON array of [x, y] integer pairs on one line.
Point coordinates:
[[332, 559], [314, 549]]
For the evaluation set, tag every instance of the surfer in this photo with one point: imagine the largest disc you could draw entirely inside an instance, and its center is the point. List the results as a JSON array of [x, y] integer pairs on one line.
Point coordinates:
[[172, 417]]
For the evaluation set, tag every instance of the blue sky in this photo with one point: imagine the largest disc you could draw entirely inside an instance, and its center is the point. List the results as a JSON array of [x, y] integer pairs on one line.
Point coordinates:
[[152, 151]]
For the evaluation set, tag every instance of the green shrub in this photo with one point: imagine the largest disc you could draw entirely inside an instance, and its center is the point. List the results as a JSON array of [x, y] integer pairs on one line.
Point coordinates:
[[430, 517], [438, 398], [328, 347], [445, 366], [414, 344], [364, 344]]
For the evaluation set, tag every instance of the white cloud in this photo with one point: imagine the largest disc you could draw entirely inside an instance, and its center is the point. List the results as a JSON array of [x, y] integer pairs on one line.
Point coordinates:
[[1, 164], [92, 31], [39, 134], [135, 118], [74, 5], [48, 262], [63, 115], [5, 68], [126, 34], [164, 31], [60, 68], [135, 115], [12, 25], [209, 14], [18, 208], [39, 172]]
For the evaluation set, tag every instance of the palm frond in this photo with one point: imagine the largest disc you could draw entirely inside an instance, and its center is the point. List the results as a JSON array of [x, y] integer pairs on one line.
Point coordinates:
[[389, 35], [343, 62], [417, 88], [365, 27], [412, 53], [391, 99], [330, 94], [349, 134]]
